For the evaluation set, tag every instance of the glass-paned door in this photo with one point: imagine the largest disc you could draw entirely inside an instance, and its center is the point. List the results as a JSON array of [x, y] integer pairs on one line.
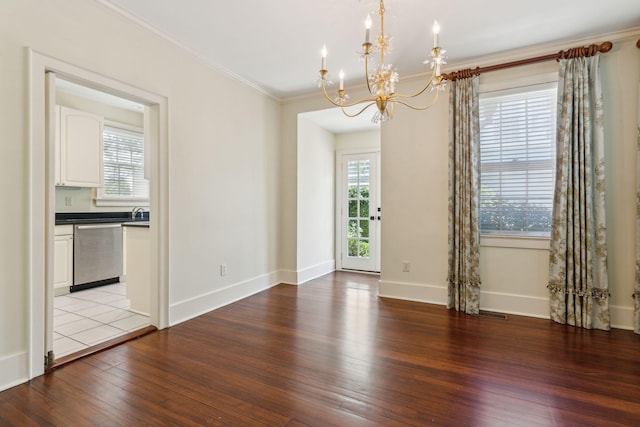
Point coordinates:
[[360, 216]]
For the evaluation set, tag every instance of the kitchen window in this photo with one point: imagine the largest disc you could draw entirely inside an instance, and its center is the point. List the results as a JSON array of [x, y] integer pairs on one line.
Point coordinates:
[[123, 165], [517, 160]]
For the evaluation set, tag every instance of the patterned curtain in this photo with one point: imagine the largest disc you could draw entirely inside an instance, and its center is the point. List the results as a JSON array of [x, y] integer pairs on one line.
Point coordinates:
[[464, 184], [578, 285], [636, 294]]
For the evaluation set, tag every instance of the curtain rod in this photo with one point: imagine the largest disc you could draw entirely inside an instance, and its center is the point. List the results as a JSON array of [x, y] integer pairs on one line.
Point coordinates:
[[575, 52]]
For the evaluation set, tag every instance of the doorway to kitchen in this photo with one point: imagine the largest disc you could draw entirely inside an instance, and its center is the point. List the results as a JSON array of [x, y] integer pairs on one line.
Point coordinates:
[[44, 201], [101, 189]]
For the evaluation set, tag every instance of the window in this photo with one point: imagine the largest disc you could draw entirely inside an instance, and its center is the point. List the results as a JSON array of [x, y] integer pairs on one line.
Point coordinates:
[[517, 160], [123, 163]]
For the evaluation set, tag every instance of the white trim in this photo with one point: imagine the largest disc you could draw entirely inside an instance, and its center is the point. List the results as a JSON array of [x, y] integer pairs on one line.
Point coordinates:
[[516, 242], [491, 301], [315, 271], [544, 49], [123, 202], [519, 85], [217, 67], [190, 308], [431, 294], [288, 277], [124, 126], [41, 185], [621, 317], [13, 370], [521, 305], [499, 58]]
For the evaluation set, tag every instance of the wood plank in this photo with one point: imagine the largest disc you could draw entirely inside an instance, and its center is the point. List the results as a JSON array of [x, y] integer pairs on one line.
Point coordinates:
[[332, 353]]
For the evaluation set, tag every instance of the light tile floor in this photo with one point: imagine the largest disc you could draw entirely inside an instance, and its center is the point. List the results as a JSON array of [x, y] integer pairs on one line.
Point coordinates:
[[85, 318]]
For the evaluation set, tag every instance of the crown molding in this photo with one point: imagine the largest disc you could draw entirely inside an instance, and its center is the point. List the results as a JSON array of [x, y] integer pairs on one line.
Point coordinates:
[[534, 51], [210, 64]]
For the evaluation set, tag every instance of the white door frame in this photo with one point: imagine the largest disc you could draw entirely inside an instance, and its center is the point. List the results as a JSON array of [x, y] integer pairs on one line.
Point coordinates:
[[42, 196], [338, 203]]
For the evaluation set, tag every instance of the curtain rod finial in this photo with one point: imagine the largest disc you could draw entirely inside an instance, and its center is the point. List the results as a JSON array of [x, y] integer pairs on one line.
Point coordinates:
[[606, 47]]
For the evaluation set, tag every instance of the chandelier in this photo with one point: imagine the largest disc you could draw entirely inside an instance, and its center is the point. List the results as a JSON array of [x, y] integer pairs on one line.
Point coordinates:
[[382, 79]]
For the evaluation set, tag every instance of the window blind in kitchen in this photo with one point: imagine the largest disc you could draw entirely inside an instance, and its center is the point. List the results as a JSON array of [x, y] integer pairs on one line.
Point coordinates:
[[123, 163]]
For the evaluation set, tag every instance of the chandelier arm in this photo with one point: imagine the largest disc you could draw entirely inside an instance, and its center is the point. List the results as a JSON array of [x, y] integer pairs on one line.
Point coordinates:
[[421, 91], [406, 104], [360, 101], [340, 104], [326, 95], [359, 112]]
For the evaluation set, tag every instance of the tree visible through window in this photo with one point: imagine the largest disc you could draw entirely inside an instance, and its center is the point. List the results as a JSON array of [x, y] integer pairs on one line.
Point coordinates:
[[517, 160], [123, 158], [358, 199]]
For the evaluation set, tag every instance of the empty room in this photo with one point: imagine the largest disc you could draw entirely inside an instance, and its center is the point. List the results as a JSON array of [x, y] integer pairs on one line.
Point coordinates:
[[432, 220]]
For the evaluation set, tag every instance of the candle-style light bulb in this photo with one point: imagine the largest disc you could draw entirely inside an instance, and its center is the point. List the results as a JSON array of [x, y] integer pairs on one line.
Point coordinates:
[[341, 79], [436, 33], [367, 26], [324, 57]]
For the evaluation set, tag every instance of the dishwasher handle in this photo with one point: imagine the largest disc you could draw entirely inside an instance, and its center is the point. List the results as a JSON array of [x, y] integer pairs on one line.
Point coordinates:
[[88, 227]]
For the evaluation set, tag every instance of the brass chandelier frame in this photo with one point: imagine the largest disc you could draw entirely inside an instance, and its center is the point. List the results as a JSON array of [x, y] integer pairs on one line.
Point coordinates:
[[383, 95]]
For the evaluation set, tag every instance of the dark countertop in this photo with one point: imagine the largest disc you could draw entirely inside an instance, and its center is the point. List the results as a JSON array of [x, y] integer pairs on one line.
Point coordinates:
[[70, 218]]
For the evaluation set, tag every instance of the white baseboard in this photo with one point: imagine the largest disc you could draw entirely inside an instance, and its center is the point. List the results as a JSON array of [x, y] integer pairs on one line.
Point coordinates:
[[521, 305], [621, 317], [315, 271], [13, 370], [196, 306], [288, 277], [291, 277], [413, 292]]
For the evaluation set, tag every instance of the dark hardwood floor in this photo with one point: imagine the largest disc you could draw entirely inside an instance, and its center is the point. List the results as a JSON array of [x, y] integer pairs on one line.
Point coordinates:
[[331, 353]]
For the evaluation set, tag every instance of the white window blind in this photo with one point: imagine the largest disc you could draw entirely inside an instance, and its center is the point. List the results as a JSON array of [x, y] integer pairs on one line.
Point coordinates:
[[517, 160], [123, 162]]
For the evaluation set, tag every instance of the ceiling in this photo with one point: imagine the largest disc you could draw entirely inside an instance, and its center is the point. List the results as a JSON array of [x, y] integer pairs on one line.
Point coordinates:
[[276, 45]]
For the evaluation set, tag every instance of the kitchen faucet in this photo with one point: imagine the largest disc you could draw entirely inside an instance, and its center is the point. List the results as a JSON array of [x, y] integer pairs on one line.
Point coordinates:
[[134, 213]]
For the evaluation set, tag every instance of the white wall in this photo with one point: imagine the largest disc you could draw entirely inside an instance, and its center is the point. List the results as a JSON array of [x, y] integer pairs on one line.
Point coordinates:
[[316, 187], [316, 195], [224, 188], [414, 183], [289, 152], [359, 140]]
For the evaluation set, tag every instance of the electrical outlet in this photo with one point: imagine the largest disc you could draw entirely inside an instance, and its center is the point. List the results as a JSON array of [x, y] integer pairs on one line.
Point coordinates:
[[68, 201], [406, 266], [223, 269]]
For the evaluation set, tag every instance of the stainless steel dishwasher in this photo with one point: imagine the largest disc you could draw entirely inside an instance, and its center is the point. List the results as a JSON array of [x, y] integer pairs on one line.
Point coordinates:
[[97, 255]]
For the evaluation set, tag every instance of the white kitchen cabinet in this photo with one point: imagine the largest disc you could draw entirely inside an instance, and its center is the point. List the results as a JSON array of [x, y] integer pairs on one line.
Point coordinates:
[[63, 259], [78, 148], [139, 269]]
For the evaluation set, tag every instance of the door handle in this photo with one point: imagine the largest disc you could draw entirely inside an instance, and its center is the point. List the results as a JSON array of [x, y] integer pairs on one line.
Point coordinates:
[[88, 227], [379, 218]]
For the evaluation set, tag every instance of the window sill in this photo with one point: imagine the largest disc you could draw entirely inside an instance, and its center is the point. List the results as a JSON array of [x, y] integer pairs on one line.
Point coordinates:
[[515, 242], [122, 202]]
